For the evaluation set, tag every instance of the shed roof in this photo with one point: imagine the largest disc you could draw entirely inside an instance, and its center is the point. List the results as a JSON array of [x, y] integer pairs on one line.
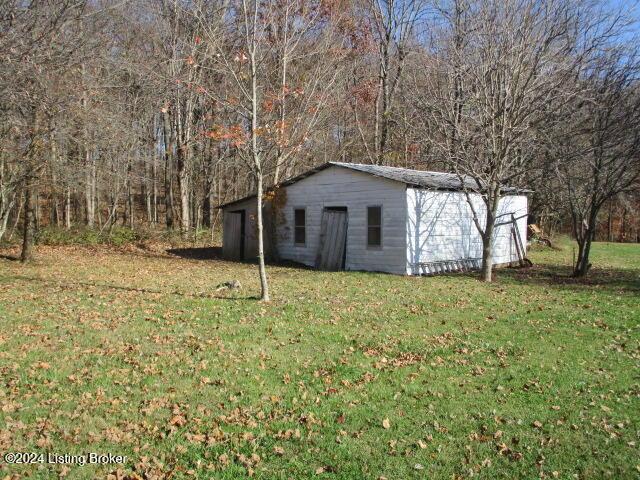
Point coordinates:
[[414, 178]]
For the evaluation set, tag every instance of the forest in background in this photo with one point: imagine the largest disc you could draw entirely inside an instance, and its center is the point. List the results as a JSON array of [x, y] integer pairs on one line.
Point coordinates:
[[149, 113]]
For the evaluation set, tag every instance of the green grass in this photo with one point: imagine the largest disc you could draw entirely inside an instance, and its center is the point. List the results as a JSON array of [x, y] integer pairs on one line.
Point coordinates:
[[134, 353]]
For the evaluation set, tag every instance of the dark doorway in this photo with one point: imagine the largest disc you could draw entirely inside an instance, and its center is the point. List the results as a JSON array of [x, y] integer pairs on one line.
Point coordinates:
[[242, 214], [332, 251], [233, 246]]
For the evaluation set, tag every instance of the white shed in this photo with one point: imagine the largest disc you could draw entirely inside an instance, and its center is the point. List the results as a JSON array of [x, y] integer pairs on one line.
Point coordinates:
[[375, 218]]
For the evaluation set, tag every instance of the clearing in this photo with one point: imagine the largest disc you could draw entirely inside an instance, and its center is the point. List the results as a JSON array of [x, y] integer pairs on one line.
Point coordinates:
[[344, 375]]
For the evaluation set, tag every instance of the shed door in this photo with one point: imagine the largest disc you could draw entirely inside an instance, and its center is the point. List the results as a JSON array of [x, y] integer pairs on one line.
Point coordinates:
[[333, 240], [233, 241]]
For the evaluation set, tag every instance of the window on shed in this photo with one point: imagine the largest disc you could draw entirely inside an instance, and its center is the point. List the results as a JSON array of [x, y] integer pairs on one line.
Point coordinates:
[[374, 226], [300, 226]]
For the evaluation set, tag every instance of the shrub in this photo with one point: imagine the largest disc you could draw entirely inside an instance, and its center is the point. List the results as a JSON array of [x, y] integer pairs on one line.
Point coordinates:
[[121, 236], [59, 236], [86, 236]]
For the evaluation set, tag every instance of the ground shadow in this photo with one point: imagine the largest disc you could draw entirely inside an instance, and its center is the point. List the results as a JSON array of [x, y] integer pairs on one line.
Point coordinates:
[[107, 286], [614, 280], [215, 253], [10, 257], [201, 253]]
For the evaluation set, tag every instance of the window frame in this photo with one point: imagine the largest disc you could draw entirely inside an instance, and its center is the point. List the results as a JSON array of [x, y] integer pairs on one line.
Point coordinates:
[[295, 227], [380, 226]]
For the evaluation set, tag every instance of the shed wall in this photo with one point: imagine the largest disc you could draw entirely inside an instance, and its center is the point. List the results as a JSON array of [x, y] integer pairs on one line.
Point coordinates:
[[251, 233], [440, 227], [339, 187]]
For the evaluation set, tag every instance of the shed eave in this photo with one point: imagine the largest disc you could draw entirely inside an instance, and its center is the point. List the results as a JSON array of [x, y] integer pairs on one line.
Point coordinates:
[[407, 182]]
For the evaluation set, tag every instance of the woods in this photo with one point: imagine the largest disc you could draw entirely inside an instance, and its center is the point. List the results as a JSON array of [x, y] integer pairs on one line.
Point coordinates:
[[261, 239], [150, 113]]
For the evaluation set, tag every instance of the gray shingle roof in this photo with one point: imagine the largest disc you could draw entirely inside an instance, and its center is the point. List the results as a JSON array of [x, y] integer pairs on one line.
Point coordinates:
[[418, 178], [415, 178]]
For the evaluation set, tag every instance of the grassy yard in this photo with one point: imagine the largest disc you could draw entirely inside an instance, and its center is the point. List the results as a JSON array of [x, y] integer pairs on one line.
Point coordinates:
[[344, 375]]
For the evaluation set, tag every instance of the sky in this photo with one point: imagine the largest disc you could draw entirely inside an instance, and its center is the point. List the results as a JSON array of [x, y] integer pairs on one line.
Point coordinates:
[[631, 7]]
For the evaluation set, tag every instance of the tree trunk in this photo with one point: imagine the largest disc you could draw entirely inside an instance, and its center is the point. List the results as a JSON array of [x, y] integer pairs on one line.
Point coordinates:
[[16, 220], [207, 198], [487, 259], [487, 236], [183, 187], [4, 220], [584, 236], [154, 173], [27, 234], [130, 205], [610, 222], [154, 195], [384, 114], [184, 118], [36, 208], [90, 164], [582, 266], [90, 189], [259, 177], [282, 113], [261, 265], [623, 225], [168, 171], [7, 198], [148, 205], [146, 187], [55, 216], [67, 209], [6, 205]]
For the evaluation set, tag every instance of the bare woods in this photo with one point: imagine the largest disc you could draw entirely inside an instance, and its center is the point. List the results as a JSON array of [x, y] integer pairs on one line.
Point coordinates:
[[149, 113]]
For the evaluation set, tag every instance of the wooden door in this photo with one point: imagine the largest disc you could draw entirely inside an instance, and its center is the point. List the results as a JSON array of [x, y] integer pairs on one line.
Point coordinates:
[[333, 240], [232, 232]]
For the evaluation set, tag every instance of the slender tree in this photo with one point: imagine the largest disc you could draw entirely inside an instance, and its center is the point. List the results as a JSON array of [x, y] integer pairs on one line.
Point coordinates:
[[597, 155]]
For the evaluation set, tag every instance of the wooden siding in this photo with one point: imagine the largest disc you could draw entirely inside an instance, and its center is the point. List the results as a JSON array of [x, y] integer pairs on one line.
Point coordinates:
[[231, 241], [339, 187], [251, 236], [440, 227], [333, 236]]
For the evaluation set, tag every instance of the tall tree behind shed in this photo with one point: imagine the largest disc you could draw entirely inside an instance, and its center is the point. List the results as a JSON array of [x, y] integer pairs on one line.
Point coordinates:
[[597, 155], [493, 70]]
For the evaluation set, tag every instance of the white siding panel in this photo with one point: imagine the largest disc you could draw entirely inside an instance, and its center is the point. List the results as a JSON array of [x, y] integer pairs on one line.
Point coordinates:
[[440, 227], [339, 187]]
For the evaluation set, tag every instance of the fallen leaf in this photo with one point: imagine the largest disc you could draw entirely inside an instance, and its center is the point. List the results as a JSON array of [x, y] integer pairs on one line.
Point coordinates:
[[178, 420]]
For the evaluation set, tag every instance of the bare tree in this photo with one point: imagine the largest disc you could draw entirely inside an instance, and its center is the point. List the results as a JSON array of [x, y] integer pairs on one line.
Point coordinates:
[[37, 49], [279, 81], [388, 35], [490, 80], [597, 154]]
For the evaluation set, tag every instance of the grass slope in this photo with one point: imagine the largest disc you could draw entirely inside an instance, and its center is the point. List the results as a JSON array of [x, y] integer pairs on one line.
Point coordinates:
[[343, 376]]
